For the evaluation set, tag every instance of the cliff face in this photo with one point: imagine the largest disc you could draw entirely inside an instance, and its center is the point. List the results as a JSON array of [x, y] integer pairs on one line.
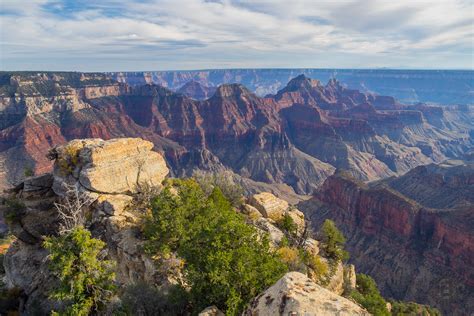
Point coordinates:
[[413, 233], [195, 90], [297, 137]]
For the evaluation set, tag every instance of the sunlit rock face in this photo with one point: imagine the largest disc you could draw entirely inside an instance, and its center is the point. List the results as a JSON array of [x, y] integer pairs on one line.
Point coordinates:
[[296, 294]]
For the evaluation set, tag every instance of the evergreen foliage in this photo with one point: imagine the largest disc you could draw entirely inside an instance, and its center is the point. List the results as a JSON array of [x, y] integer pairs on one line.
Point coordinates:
[[333, 241], [367, 294], [227, 263], [413, 309], [286, 223], [85, 281]]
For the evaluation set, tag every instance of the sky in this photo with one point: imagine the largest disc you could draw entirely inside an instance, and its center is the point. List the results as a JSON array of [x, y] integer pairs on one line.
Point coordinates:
[[130, 35]]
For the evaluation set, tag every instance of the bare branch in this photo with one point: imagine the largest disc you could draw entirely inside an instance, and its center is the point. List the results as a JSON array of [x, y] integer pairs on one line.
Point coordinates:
[[71, 208]]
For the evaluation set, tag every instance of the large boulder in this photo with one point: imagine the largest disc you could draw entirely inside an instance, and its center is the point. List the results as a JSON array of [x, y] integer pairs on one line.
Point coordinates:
[[211, 311], [116, 166], [269, 205], [296, 294]]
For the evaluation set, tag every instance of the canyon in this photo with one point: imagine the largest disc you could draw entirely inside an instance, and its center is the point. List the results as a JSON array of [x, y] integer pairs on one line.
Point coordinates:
[[413, 233], [396, 177], [293, 140], [444, 87]]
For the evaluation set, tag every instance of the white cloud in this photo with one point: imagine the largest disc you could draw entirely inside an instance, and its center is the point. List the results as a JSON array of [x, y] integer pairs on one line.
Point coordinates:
[[262, 33]]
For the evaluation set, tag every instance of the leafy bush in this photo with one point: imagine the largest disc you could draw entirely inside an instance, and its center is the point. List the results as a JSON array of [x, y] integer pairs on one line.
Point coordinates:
[[286, 223], [319, 267], [85, 281], [412, 309], [367, 294], [28, 172], [333, 241], [226, 263], [68, 160], [15, 210], [291, 257]]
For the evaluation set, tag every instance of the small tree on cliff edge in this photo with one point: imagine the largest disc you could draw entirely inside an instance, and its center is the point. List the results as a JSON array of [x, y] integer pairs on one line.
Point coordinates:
[[85, 282], [333, 241]]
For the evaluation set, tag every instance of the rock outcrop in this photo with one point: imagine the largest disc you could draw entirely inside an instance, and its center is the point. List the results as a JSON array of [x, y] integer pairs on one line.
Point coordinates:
[[116, 166], [272, 210], [296, 294], [106, 174], [413, 234], [269, 205]]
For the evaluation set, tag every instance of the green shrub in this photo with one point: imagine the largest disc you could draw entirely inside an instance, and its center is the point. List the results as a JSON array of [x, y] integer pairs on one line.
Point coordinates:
[[412, 309], [28, 172], [333, 241], [287, 224], [85, 281], [291, 257], [367, 294], [319, 267], [69, 159], [226, 263], [14, 212]]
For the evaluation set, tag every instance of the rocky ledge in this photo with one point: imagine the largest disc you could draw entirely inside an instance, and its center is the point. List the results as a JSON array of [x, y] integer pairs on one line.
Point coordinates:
[[296, 294]]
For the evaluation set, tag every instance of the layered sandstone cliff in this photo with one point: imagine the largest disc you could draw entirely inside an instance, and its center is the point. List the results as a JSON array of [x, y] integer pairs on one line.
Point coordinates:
[[297, 137], [413, 234]]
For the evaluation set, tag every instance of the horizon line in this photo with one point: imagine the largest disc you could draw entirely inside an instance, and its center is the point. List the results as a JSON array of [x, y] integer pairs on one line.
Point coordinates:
[[247, 68]]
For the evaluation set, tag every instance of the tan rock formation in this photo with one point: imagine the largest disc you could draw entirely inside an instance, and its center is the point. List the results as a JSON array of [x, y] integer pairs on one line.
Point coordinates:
[[312, 246], [211, 311], [298, 218], [115, 166], [349, 278], [296, 294], [336, 279], [275, 234], [115, 169], [269, 205], [251, 212]]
